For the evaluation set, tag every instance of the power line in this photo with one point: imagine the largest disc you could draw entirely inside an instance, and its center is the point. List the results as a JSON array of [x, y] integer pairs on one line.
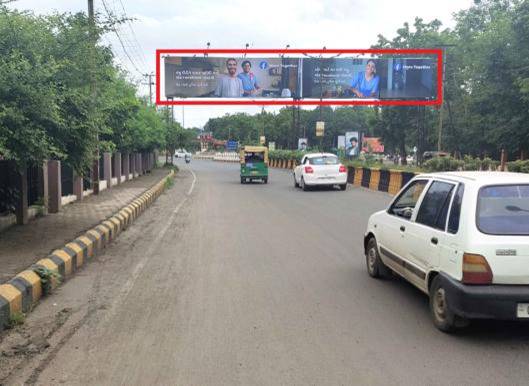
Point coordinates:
[[129, 40], [121, 40], [142, 56]]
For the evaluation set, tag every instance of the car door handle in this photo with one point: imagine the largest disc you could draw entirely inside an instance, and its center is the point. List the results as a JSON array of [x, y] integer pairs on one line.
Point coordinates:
[[434, 240], [402, 228]]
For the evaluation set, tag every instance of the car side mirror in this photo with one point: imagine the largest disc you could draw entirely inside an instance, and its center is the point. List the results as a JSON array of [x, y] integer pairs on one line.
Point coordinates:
[[407, 213]]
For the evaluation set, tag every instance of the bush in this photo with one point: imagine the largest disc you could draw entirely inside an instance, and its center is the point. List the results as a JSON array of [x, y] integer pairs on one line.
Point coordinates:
[[518, 166], [443, 164], [286, 155]]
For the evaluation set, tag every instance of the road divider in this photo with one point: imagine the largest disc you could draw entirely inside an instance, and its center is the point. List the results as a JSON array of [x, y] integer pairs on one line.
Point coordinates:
[[20, 294]]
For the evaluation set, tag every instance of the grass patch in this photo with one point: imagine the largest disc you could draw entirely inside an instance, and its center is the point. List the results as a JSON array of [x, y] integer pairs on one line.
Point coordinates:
[[48, 278], [171, 167], [169, 182], [16, 319]]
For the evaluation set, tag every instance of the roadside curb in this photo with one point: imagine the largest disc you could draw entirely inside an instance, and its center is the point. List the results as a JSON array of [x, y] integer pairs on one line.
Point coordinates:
[[22, 293]]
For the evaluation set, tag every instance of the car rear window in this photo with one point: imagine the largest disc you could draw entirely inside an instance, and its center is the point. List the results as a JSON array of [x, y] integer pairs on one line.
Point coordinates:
[[324, 160], [503, 210], [254, 157]]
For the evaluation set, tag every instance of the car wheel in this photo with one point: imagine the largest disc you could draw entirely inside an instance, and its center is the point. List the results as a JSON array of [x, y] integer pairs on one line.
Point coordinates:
[[303, 185], [443, 318], [296, 185], [343, 186], [265, 180], [242, 180], [375, 267]]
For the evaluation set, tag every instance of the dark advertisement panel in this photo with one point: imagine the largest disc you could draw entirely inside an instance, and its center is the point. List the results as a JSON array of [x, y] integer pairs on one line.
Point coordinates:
[[410, 79], [216, 77]]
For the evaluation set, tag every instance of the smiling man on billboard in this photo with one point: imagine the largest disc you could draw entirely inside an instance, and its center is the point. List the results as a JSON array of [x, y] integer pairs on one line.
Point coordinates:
[[230, 86]]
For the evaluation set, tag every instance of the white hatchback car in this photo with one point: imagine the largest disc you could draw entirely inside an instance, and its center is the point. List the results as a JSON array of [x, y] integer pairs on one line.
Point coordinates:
[[462, 238], [181, 153], [317, 169]]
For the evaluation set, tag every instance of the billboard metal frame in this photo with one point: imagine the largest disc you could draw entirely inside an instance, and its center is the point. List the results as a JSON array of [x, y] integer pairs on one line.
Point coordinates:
[[438, 52]]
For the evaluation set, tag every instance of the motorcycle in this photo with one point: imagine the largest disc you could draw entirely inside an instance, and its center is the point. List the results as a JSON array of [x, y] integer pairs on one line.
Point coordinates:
[[187, 158]]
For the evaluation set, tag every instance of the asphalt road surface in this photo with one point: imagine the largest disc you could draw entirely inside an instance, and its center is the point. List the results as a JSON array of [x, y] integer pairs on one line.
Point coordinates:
[[227, 284]]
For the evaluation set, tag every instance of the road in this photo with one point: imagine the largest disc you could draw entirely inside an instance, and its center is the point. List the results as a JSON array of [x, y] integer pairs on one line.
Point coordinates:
[[227, 284]]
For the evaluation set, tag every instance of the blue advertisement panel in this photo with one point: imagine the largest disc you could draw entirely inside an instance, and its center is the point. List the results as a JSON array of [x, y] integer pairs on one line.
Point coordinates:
[[216, 77]]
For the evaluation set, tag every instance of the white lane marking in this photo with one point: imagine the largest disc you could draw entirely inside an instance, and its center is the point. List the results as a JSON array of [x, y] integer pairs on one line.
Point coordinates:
[[193, 183], [127, 287]]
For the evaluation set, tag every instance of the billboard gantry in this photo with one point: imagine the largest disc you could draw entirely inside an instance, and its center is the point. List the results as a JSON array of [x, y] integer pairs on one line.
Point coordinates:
[[257, 77]]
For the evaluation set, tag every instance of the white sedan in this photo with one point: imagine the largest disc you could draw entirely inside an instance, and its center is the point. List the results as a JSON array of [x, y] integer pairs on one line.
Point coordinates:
[[318, 169]]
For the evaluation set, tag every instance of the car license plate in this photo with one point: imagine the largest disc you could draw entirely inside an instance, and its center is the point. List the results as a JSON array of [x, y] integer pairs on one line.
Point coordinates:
[[522, 310], [255, 172]]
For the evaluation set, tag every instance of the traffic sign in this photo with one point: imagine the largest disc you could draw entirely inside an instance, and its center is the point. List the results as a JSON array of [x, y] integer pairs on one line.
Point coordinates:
[[320, 128]]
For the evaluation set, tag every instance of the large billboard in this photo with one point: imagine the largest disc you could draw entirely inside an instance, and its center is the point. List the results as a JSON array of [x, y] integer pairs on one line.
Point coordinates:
[[249, 77], [229, 77]]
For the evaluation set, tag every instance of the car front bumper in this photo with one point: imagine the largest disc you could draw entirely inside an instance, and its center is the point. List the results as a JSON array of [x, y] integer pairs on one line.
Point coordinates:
[[485, 301]]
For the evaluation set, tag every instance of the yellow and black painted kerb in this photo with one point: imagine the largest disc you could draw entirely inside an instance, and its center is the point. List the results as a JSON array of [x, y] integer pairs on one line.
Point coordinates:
[[22, 292], [383, 180]]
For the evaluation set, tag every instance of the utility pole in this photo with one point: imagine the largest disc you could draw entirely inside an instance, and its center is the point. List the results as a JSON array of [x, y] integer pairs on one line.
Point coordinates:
[[150, 83], [93, 92], [440, 138]]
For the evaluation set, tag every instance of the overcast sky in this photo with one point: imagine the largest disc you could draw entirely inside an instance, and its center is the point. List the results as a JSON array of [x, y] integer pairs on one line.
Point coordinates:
[[233, 23]]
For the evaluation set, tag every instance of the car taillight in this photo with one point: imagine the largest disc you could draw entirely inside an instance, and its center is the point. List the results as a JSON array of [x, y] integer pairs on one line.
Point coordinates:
[[476, 269], [343, 169], [308, 169]]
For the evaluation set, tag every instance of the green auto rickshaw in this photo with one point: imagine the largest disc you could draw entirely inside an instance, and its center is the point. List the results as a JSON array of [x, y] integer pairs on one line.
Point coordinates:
[[254, 164]]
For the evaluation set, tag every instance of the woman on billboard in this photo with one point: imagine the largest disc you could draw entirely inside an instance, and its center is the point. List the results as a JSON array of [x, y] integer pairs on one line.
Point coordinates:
[[365, 84]]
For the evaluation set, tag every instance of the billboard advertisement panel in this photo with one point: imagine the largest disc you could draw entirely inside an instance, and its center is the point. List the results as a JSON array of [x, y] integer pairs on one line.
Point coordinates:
[[409, 78], [372, 145], [228, 77], [352, 144], [306, 77], [302, 143], [385, 78]]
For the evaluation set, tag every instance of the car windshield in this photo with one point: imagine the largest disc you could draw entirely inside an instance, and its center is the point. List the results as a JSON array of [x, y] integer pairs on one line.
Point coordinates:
[[504, 210], [324, 160]]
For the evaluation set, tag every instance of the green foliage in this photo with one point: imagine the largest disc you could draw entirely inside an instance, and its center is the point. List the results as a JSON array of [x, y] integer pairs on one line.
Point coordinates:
[[16, 319], [518, 166], [443, 164], [60, 92], [287, 155], [47, 278], [284, 128], [169, 182]]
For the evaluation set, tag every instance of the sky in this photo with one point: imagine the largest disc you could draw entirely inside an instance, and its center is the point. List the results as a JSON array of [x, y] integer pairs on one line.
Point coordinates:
[[233, 23]]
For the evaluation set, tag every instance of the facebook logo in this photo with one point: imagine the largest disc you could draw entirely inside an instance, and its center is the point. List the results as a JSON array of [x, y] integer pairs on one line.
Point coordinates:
[[263, 65]]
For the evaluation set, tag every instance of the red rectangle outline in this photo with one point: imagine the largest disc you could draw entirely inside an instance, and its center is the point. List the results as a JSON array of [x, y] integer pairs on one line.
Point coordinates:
[[354, 102]]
